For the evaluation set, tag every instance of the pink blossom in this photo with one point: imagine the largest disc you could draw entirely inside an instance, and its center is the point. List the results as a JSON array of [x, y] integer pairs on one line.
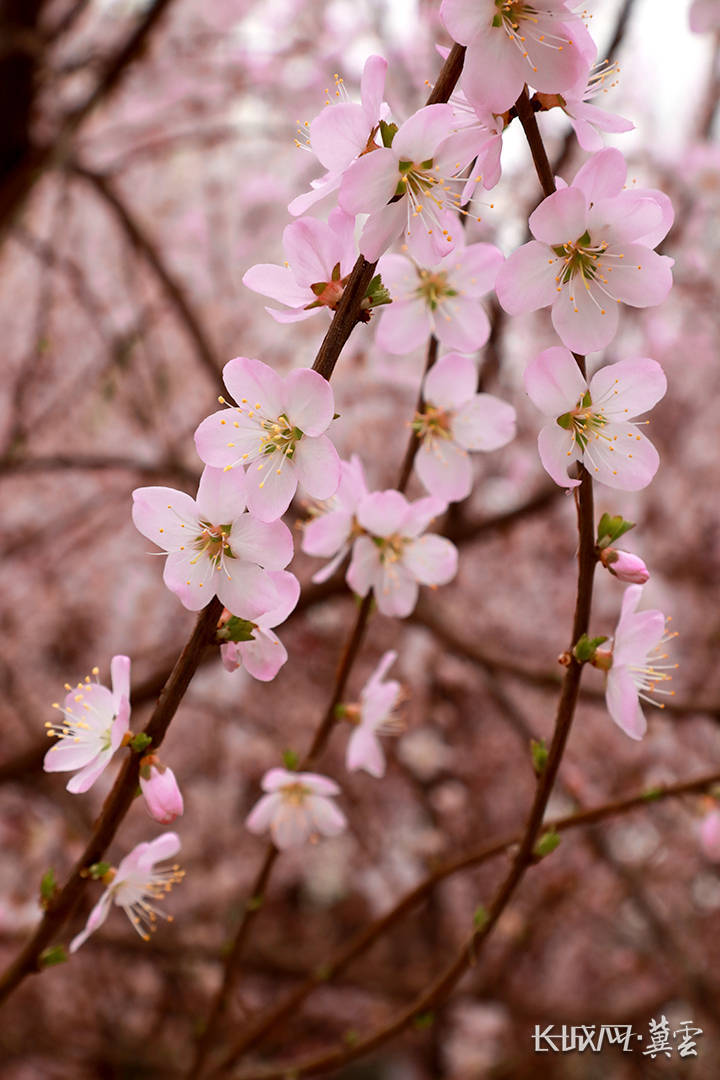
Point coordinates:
[[265, 654], [443, 300], [637, 664], [710, 835], [625, 566], [95, 721], [415, 172], [477, 137], [163, 799], [590, 422], [456, 420], [394, 558], [276, 428], [704, 16], [587, 119], [343, 131], [319, 258], [373, 717], [333, 527], [592, 251], [513, 43], [134, 886], [297, 807], [214, 546]]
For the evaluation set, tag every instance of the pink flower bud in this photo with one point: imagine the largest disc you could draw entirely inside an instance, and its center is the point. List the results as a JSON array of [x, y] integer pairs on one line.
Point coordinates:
[[160, 790], [710, 836], [624, 565]]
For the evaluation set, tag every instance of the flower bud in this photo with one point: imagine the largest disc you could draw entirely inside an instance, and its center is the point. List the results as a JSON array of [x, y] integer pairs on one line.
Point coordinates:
[[160, 789], [710, 836], [625, 566]]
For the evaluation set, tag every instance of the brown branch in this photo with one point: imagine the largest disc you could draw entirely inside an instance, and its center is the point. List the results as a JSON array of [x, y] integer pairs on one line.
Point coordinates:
[[414, 442], [341, 958], [116, 805]]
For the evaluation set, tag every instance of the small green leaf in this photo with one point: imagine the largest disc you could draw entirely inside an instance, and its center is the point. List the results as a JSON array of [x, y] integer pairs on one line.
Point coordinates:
[[546, 844], [140, 742], [291, 760], [48, 887], [652, 793], [480, 917], [236, 629], [612, 528], [54, 954], [423, 1020], [539, 753], [387, 132]]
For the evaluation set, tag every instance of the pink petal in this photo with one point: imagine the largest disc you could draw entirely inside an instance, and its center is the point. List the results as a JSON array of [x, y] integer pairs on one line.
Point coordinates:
[[464, 18], [621, 457], [277, 282], [285, 317], [396, 591], [461, 323], [636, 635], [382, 512], [318, 466], [484, 423], [290, 826], [277, 778], [381, 229], [451, 381], [163, 515], [643, 279], [372, 87], [417, 139], [269, 544], [339, 134], [365, 752], [494, 72], [623, 217], [621, 698], [320, 189], [194, 584], [558, 68], [256, 382], [120, 678], [271, 484], [96, 918], [309, 401], [319, 785], [603, 175], [444, 468], [526, 282], [554, 381], [260, 817], [264, 656], [369, 183], [557, 452], [222, 445], [221, 495], [432, 560], [653, 238], [404, 326], [420, 514], [82, 781], [312, 249], [287, 587], [67, 755], [560, 218], [628, 388], [326, 534], [584, 324], [364, 566], [399, 276], [325, 816], [248, 592], [474, 269]]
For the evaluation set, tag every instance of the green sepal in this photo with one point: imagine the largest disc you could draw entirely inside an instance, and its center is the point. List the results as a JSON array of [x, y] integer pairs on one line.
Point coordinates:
[[564, 421], [98, 870], [318, 288], [335, 275], [236, 629], [584, 240], [586, 648], [539, 754], [140, 742], [387, 132], [48, 888], [340, 711], [611, 529], [376, 293], [54, 954], [291, 759], [497, 20], [546, 844]]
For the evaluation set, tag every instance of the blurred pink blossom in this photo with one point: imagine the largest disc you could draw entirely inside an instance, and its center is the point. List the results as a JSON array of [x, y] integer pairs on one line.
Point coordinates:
[[297, 806]]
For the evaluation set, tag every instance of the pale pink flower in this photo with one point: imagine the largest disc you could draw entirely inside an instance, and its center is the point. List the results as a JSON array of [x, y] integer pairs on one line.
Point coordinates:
[[477, 137], [454, 421], [704, 16], [590, 422], [343, 131], [625, 566], [589, 120], [163, 799], [276, 427], [443, 300], [373, 717], [592, 251], [416, 173], [637, 664], [710, 835], [95, 721], [395, 558], [297, 807], [333, 527], [511, 43], [135, 886], [214, 546], [265, 654], [319, 257]]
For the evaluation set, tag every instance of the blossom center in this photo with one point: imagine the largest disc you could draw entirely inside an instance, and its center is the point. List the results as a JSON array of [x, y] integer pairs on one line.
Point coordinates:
[[214, 542], [391, 547], [433, 288], [432, 421], [580, 258], [295, 793], [584, 421]]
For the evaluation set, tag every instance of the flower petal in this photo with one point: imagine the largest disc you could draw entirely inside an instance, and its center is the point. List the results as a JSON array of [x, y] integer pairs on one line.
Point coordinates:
[[369, 183], [603, 175], [381, 229], [277, 282], [621, 457], [164, 515], [382, 512], [418, 138], [309, 401], [585, 320], [364, 568], [560, 218], [628, 388], [484, 423], [461, 323], [96, 918], [221, 495], [526, 281], [432, 560], [339, 134], [264, 656], [451, 381], [267, 543], [248, 592], [318, 466], [554, 381], [271, 484], [621, 698], [365, 752], [404, 326], [256, 382], [444, 468], [557, 452], [325, 817]]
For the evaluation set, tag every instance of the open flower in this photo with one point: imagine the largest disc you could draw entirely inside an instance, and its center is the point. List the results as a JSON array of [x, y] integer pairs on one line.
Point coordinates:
[[416, 174], [297, 807], [333, 527], [443, 299], [589, 120], [94, 723], [590, 422], [453, 421], [163, 799], [395, 558], [214, 546], [592, 251], [373, 717], [343, 131], [134, 886], [511, 42], [265, 654], [319, 257], [276, 428], [637, 664]]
